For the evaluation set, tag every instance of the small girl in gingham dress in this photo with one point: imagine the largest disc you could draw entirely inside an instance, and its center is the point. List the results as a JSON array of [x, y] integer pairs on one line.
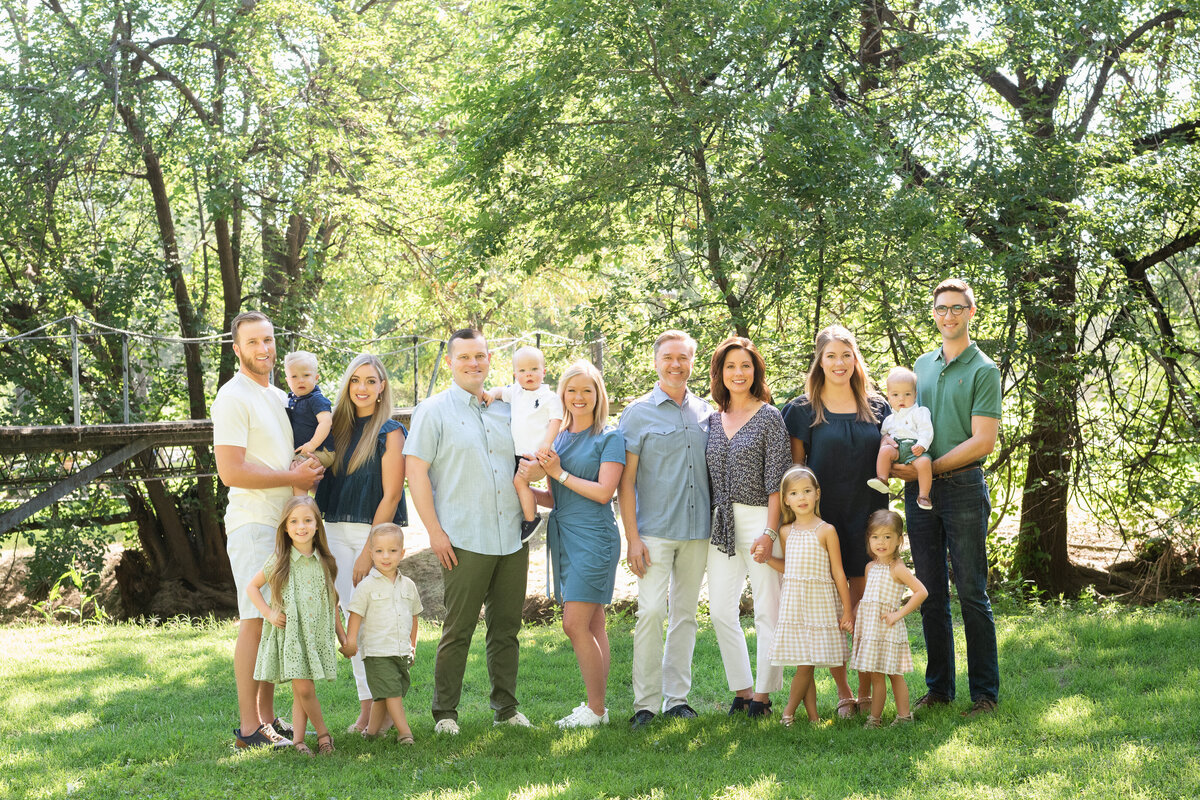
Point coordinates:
[[814, 605]]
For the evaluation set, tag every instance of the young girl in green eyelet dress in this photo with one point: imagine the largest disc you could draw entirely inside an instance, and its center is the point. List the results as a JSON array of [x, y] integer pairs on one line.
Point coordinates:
[[306, 629]]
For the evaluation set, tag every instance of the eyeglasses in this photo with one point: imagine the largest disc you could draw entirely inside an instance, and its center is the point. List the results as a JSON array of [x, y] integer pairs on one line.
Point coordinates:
[[955, 310]]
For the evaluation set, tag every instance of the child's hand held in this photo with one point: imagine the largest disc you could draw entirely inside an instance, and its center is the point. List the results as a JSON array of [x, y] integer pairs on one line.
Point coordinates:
[[279, 619]]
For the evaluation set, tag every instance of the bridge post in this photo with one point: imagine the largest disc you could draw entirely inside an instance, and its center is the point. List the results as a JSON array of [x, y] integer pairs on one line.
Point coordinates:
[[125, 375], [75, 367]]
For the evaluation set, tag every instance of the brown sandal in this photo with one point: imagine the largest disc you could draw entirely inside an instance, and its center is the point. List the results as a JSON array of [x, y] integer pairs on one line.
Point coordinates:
[[302, 749], [404, 739], [324, 744]]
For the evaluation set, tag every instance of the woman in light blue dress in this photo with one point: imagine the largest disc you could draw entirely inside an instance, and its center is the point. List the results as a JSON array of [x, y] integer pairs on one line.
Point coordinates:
[[585, 467]]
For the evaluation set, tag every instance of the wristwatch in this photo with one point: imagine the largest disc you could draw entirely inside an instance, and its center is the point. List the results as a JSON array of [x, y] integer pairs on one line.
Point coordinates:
[[772, 534], [562, 477]]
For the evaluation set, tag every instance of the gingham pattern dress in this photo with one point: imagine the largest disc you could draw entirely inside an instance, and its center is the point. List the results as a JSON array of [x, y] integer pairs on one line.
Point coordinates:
[[879, 647], [809, 606]]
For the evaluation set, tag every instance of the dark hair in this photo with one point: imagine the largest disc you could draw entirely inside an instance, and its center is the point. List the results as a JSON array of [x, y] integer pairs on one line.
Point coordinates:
[[463, 333], [245, 316], [888, 520], [955, 285], [860, 385], [758, 386]]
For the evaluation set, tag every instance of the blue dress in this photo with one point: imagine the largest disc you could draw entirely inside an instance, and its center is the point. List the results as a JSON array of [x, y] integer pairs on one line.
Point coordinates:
[[582, 535], [356, 496]]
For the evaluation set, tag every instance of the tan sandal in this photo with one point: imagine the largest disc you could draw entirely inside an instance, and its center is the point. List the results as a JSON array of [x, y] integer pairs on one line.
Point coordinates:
[[787, 719], [847, 707], [405, 740], [873, 722], [302, 749], [864, 705], [324, 744], [907, 719]]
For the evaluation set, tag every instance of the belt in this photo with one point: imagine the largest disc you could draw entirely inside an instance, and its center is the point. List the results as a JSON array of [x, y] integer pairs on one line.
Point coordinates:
[[958, 471]]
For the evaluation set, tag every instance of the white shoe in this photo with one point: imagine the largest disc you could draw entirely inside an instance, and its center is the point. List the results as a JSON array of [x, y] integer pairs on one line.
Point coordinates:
[[583, 717], [879, 486], [518, 720], [446, 726]]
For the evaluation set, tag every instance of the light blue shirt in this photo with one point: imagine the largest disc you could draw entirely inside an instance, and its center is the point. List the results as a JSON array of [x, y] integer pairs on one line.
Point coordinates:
[[672, 475], [469, 450]]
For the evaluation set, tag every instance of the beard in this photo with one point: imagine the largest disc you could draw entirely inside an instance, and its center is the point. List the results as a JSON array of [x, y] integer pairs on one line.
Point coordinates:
[[255, 367]]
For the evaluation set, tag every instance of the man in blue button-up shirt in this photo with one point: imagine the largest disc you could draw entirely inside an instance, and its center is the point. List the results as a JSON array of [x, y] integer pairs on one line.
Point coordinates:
[[459, 467], [664, 502]]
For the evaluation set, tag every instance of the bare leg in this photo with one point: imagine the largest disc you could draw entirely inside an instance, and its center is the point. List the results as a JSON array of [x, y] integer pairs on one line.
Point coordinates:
[[395, 708], [924, 475], [807, 690], [378, 719], [364, 714], [305, 696], [245, 652], [883, 462], [900, 692], [525, 495], [858, 585], [593, 660], [879, 696], [299, 718]]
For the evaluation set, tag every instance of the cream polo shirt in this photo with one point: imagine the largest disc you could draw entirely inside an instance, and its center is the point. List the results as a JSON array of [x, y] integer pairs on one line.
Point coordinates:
[[387, 608], [245, 414]]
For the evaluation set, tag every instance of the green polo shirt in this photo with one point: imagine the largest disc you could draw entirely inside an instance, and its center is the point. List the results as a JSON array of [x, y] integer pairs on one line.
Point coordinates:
[[968, 386]]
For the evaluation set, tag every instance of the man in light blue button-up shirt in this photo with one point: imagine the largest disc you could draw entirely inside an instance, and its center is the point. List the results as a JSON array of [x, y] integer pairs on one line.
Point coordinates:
[[665, 511], [459, 464]]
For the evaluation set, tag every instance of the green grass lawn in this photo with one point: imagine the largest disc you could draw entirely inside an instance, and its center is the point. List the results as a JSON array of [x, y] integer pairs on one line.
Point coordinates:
[[1095, 704]]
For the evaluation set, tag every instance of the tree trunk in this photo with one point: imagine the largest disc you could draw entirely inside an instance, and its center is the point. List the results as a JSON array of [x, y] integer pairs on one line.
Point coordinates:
[[1042, 540]]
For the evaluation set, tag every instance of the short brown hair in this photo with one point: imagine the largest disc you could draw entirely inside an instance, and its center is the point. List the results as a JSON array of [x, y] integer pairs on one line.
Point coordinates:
[[674, 335], [758, 387], [246, 316], [955, 285]]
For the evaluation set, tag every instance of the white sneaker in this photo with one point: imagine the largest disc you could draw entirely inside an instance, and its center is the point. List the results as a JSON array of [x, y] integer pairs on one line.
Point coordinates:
[[583, 717], [446, 726], [518, 720]]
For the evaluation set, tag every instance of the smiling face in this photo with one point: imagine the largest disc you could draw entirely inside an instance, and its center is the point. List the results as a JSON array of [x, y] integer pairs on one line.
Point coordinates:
[[579, 397], [838, 363], [529, 369], [884, 544], [301, 525], [301, 378], [673, 363], [363, 389], [469, 362], [254, 346], [386, 553], [953, 327], [801, 496], [737, 373], [901, 394]]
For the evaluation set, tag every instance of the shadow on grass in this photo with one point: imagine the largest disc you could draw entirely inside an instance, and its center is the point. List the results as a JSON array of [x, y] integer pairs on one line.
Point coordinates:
[[1091, 706]]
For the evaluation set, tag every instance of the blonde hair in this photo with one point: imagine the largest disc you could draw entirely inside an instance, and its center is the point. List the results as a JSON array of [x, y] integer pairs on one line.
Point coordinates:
[[859, 384], [674, 335], [385, 529], [283, 552], [888, 520], [344, 415], [588, 369], [300, 358], [797, 473], [902, 375]]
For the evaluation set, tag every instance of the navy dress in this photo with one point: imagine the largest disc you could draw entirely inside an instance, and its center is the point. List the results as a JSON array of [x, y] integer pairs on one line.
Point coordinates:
[[842, 452], [581, 534], [354, 497]]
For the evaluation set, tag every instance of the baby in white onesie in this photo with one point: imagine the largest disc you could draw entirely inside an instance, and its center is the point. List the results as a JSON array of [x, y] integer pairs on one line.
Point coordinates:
[[536, 418], [907, 434]]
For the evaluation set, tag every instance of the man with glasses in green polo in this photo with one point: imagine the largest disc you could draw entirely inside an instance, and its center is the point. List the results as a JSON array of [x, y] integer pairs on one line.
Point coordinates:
[[960, 386]]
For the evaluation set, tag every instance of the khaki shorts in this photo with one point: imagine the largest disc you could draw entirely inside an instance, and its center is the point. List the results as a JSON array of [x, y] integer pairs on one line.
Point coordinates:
[[249, 547]]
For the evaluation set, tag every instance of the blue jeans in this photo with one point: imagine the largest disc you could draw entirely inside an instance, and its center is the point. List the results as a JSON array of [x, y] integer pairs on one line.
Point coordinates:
[[957, 525]]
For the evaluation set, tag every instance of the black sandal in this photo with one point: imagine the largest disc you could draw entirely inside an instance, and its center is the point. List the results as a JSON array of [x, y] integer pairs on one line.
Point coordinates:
[[739, 705], [757, 709]]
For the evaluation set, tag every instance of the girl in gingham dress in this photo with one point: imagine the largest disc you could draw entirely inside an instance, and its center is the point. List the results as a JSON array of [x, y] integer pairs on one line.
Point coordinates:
[[881, 650], [814, 607]]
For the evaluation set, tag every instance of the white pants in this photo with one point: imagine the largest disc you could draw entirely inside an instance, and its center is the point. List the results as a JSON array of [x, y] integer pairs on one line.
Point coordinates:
[[346, 541], [726, 580], [669, 591]]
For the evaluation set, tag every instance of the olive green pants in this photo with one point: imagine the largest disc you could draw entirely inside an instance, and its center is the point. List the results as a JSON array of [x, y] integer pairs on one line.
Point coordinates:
[[497, 585]]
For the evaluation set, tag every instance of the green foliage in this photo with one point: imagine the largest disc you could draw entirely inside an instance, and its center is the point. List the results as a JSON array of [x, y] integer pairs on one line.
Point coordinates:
[[52, 607]]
